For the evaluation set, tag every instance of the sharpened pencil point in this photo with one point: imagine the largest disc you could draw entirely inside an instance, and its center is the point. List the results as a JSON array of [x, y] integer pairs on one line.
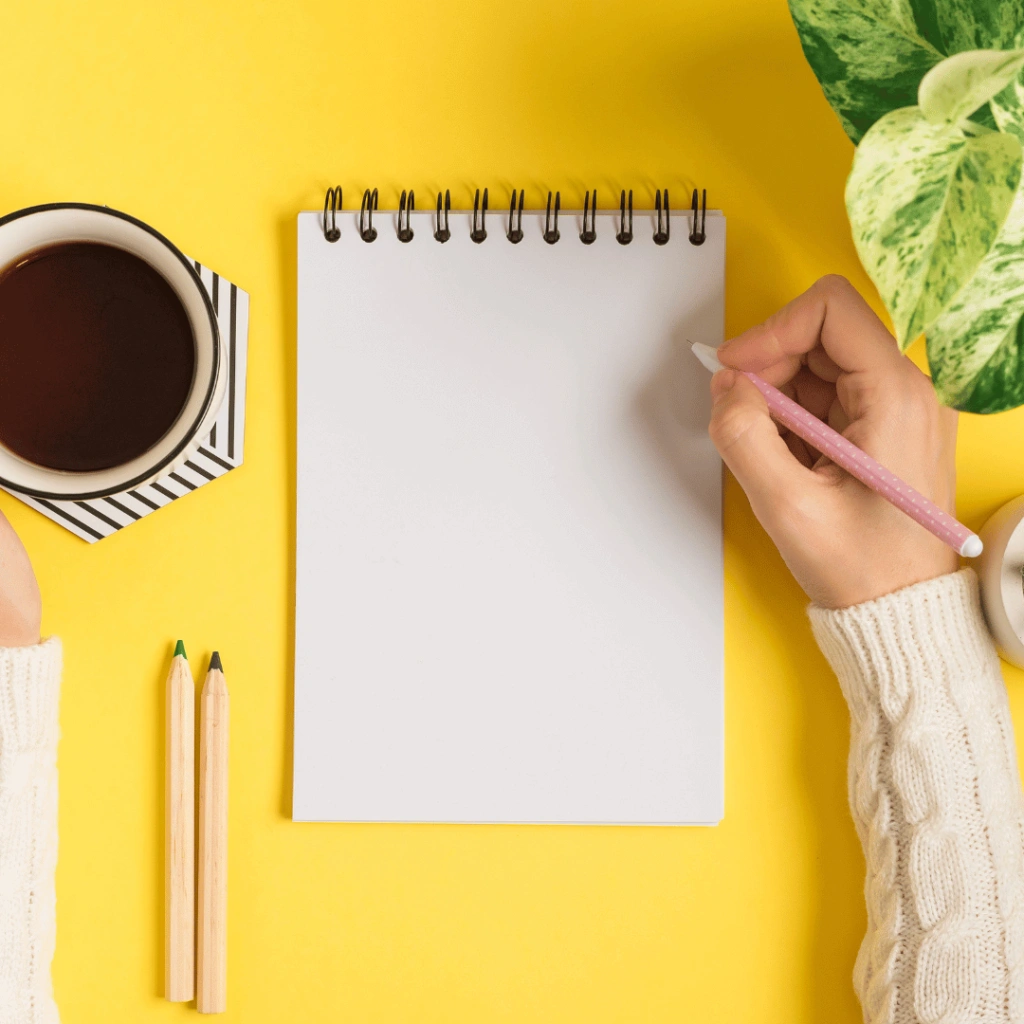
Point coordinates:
[[215, 662], [179, 649]]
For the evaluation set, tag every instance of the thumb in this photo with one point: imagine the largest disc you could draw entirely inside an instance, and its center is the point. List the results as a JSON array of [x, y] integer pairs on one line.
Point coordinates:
[[751, 446]]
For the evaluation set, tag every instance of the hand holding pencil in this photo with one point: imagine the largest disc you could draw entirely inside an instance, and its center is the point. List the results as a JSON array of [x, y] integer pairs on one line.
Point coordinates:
[[828, 351]]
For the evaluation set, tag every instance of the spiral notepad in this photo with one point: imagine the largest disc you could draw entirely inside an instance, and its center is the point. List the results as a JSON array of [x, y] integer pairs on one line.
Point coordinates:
[[509, 558]]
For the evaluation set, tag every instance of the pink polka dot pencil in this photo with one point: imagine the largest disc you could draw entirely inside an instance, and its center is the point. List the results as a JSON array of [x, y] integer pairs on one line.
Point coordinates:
[[856, 462]]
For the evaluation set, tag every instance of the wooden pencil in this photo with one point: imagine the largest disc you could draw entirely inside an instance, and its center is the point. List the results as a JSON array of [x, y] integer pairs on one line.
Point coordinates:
[[180, 816], [211, 972]]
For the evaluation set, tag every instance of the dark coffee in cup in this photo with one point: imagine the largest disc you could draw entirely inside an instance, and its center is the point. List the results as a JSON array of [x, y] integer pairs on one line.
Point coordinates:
[[97, 357]]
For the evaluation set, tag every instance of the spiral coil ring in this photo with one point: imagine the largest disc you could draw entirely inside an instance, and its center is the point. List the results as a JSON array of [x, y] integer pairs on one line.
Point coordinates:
[[405, 230], [625, 234], [442, 232], [479, 232], [589, 234], [332, 200], [367, 232], [515, 216], [551, 232], [661, 231], [697, 237]]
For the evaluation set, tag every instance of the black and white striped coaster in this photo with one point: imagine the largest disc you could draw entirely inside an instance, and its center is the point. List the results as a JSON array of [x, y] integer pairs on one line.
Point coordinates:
[[219, 453]]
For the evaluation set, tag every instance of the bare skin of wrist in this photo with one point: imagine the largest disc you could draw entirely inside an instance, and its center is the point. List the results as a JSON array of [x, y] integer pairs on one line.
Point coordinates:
[[20, 603], [827, 350]]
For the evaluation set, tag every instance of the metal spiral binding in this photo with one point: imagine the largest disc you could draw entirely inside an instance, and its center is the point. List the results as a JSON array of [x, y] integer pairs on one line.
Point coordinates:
[[405, 211], [514, 231], [697, 237], [589, 234], [479, 232], [625, 235], [661, 232], [442, 234], [515, 215], [367, 232], [551, 233], [332, 204]]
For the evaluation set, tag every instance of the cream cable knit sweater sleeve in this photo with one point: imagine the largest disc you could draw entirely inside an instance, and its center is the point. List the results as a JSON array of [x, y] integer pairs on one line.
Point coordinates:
[[936, 799], [29, 693]]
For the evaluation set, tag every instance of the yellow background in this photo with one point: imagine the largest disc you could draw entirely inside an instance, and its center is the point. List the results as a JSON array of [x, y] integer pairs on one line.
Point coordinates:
[[217, 122]]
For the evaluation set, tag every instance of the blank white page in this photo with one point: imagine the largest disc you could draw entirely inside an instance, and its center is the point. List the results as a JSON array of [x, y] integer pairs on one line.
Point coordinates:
[[509, 546]]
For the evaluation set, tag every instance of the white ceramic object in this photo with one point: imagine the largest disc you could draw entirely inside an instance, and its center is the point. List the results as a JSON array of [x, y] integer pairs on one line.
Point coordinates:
[[30, 229], [1002, 589]]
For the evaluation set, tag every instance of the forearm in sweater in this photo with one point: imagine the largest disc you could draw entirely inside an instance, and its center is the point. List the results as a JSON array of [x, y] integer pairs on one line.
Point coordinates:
[[29, 696], [936, 800]]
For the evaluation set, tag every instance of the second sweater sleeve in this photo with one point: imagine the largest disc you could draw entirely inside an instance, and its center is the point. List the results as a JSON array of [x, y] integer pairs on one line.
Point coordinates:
[[936, 800]]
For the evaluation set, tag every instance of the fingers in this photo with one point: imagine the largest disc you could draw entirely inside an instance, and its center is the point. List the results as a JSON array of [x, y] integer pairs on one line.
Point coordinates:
[[813, 393], [750, 445], [821, 364], [832, 314], [20, 608], [838, 418], [802, 451]]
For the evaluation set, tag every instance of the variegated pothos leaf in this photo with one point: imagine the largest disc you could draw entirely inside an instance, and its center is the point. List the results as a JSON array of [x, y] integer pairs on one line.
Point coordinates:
[[976, 347], [1008, 109], [971, 24], [954, 89], [926, 203], [868, 56], [1007, 106]]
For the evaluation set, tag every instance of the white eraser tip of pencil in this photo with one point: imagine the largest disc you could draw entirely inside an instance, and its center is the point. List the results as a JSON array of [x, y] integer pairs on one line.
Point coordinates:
[[707, 355], [972, 547]]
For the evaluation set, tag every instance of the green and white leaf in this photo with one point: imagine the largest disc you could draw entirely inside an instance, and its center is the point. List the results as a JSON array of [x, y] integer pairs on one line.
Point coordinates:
[[1007, 106], [953, 90], [999, 384], [971, 24], [1008, 109], [926, 203], [975, 348], [868, 56]]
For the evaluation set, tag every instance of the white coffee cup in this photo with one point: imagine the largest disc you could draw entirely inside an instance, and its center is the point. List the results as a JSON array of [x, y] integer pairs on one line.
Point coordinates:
[[25, 231], [1002, 583]]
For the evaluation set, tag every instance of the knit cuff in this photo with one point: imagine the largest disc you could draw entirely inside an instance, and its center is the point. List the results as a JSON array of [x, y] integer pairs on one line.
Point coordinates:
[[29, 696], [932, 631]]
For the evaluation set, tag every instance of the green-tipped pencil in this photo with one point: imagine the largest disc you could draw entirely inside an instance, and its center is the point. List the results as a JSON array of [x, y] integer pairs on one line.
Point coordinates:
[[211, 970], [179, 889]]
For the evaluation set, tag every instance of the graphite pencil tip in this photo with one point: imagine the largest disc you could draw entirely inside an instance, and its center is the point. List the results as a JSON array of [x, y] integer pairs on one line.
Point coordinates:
[[179, 649], [215, 662]]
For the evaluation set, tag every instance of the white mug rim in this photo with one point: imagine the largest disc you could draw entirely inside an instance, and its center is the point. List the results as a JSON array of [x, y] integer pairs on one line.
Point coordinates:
[[188, 436]]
